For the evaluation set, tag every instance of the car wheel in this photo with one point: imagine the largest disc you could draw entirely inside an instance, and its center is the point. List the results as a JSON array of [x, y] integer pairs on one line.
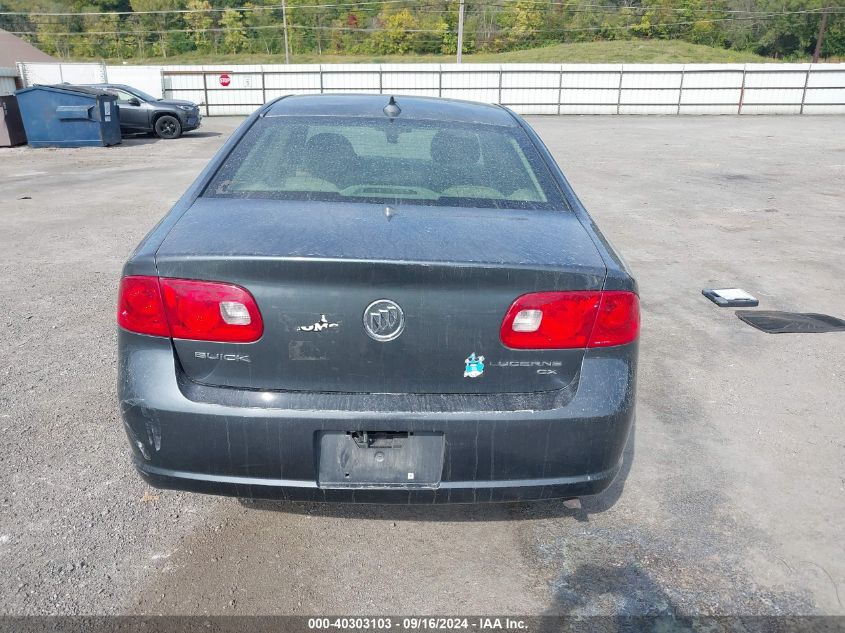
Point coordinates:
[[168, 127]]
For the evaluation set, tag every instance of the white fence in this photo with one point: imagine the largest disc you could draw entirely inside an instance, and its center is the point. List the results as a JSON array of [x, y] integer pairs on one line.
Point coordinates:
[[47, 73], [527, 88]]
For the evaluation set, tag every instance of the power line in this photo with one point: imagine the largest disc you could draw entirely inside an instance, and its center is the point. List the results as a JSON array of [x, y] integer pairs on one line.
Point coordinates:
[[580, 8], [247, 28], [267, 7]]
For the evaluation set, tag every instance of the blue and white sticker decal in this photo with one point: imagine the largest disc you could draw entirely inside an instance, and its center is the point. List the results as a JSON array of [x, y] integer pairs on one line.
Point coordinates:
[[474, 366]]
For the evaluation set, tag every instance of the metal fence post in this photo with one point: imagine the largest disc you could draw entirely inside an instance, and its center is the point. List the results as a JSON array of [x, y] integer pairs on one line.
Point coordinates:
[[619, 94], [263, 86], [440, 80], [500, 85], [559, 90], [205, 93], [741, 91], [321, 79], [380, 90], [804, 93], [681, 89]]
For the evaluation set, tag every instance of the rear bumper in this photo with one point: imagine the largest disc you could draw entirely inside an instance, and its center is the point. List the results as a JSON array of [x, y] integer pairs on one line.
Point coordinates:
[[249, 444], [447, 492]]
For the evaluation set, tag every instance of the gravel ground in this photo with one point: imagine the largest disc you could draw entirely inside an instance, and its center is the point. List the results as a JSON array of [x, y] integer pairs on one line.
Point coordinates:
[[732, 496]]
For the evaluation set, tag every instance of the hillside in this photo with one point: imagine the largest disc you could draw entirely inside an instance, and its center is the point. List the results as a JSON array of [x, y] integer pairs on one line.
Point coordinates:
[[631, 51]]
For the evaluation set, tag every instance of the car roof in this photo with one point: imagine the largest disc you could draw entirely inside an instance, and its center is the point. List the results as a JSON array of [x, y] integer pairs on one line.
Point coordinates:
[[372, 106]]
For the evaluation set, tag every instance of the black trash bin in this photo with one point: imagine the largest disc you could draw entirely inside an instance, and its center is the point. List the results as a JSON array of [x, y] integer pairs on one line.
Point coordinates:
[[11, 125]]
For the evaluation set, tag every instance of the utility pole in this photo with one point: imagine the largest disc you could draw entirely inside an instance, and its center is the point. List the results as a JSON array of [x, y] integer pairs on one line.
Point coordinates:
[[285, 29], [460, 30], [820, 36]]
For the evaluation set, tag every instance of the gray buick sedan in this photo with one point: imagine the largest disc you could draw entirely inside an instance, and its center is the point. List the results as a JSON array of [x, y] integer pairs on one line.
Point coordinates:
[[376, 299]]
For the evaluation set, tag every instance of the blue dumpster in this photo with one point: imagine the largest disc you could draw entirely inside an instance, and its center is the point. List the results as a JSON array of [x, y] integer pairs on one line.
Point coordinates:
[[68, 116]]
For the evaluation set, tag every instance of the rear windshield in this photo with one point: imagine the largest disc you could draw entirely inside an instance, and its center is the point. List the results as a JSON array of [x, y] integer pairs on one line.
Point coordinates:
[[378, 160]]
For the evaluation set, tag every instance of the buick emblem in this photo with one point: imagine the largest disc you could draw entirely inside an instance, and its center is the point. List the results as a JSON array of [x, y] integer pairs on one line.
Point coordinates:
[[383, 320]]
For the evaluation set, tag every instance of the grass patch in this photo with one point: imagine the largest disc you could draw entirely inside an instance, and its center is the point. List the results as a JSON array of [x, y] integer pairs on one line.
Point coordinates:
[[630, 51]]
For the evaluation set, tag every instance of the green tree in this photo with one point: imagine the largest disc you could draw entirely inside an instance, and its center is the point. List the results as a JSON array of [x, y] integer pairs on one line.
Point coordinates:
[[199, 20], [234, 37], [157, 29], [100, 37], [51, 35], [783, 29], [523, 22], [398, 32], [262, 33]]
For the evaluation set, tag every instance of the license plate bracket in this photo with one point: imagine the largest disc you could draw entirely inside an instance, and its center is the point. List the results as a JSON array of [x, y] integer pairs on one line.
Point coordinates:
[[380, 459]]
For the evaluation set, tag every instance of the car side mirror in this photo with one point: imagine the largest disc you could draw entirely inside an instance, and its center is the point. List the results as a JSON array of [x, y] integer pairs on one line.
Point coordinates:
[[134, 101]]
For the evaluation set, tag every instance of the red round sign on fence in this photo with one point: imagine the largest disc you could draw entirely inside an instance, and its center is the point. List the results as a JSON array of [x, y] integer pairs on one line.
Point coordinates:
[[225, 80]]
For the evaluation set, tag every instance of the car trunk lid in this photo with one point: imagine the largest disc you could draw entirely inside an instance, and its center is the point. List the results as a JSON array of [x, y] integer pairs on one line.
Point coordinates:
[[315, 268]]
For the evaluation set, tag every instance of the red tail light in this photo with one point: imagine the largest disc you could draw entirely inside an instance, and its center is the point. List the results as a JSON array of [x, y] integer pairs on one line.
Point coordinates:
[[139, 306], [575, 319], [189, 309], [618, 319]]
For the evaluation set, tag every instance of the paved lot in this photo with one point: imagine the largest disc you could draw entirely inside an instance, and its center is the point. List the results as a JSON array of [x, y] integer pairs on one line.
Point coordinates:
[[733, 502]]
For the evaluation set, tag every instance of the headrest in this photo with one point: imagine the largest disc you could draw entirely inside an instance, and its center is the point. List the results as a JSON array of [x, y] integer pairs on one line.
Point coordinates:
[[455, 147], [329, 146]]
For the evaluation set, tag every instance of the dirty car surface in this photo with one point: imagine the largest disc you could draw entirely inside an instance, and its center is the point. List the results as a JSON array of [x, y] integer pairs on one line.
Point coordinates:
[[368, 301]]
